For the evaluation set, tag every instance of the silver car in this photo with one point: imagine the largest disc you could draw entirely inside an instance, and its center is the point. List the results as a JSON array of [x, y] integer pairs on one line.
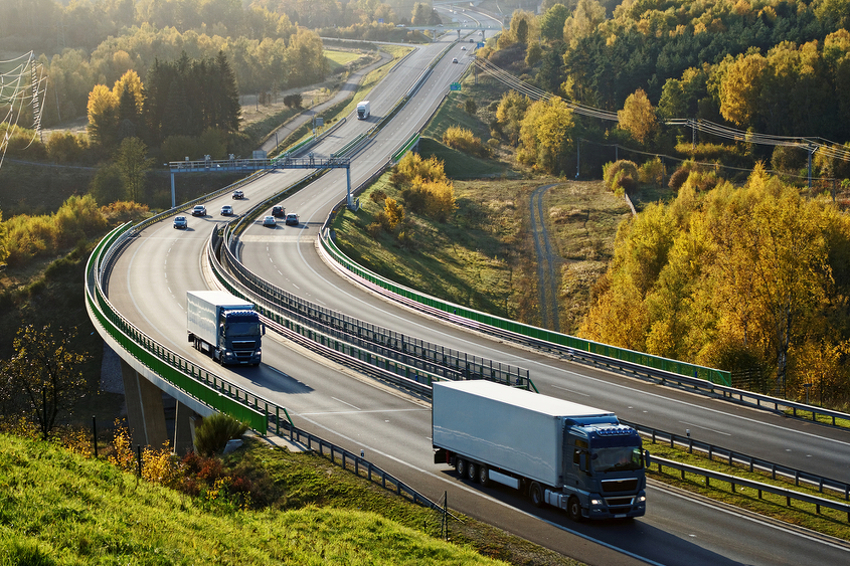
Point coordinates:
[[269, 221]]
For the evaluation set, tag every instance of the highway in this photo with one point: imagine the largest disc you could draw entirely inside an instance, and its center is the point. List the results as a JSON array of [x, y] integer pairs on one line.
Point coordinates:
[[151, 276]]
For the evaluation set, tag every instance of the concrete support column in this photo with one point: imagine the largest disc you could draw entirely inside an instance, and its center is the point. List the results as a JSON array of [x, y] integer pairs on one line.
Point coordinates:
[[184, 430], [145, 412]]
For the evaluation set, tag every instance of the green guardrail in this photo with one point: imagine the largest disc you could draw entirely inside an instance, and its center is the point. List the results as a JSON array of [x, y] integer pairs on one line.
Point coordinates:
[[719, 377], [406, 147], [181, 373]]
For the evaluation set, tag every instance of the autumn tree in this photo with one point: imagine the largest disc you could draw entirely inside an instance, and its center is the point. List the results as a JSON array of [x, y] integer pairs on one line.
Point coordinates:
[[736, 278], [103, 116], [44, 375], [638, 117], [546, 135], [510, 113]]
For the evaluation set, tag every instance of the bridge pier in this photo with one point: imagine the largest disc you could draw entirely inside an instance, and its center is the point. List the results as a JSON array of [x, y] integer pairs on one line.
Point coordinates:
[[184, 429], [145, 411]]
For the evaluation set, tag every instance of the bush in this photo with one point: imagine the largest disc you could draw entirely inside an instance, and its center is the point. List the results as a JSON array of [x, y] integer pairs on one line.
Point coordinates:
[[620, 176], [678, 178], [378, 196], [462, 139], [212, 434]]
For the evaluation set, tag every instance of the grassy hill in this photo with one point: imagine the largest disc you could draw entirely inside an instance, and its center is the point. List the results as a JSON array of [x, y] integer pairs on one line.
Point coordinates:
[[57, 507]]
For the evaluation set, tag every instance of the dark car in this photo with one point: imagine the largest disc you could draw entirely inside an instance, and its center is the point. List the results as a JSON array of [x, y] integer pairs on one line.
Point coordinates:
[[237, 194], [292, 219], [278, 211], [180, 222], [199, 210]]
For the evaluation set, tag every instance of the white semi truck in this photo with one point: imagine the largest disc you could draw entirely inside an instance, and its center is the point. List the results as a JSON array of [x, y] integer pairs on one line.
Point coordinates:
[[560, 453], [363, 110], [225, 327]]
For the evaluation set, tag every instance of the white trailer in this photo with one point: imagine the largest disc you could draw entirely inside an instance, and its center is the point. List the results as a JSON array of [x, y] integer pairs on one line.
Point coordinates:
[[572, 456]]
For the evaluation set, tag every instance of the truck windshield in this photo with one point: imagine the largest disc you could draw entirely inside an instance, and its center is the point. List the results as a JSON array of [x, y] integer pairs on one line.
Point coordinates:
[[617, 458], [244, 329]]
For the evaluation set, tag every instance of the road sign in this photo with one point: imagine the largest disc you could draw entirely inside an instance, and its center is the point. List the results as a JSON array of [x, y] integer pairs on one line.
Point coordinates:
[[454, 86]]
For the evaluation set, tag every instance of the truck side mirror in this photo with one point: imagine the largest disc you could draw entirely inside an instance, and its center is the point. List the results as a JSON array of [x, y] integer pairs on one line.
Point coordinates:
[[646, 460], [263, 331]]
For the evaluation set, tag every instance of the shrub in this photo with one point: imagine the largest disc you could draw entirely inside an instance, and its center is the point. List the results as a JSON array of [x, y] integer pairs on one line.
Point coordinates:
[[212, 434], [678, 178], [462, 139], [620, 176], [378, 196]]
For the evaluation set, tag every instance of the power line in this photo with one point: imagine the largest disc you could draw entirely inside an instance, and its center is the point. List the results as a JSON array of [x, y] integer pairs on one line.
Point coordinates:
[[812, 145]]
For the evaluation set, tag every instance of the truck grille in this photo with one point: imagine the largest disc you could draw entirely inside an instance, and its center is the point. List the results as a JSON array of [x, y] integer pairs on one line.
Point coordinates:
[[618, 501], [244, 345], [626, 484]]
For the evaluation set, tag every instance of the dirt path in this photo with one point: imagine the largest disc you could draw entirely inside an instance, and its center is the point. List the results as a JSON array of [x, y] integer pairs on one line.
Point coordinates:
[[548, 262]]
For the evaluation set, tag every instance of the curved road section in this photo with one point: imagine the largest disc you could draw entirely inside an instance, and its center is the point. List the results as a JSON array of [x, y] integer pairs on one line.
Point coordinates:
[[149, 283]]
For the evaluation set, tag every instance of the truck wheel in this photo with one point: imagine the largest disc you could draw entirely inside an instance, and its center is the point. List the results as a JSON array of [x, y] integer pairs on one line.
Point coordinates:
[[471, 471], [535, 494], [483, 475], [461, 467], [574, 509]]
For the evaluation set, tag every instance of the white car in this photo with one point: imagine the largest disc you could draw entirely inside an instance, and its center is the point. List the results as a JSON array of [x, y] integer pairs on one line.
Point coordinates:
[[454, 60], [227, 210], [269, 221], [237, 195], [463, 48]]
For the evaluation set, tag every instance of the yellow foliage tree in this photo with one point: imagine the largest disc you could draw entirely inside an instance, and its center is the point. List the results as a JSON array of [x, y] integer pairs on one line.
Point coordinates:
[[638, 117], [103, 116], [545, 135]]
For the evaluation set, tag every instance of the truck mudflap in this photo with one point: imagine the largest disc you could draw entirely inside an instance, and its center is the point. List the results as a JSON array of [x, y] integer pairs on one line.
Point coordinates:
[[594, 506]]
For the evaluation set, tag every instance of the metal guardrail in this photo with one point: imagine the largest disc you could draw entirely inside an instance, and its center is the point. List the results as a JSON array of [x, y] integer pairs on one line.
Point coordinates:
[[753, 463], [574, 349], [760, 487], [261, 415], [414, 139], [515, 331], [385, 344], [349, 460]]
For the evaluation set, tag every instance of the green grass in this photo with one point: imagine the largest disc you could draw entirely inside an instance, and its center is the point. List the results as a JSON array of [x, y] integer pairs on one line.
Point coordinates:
[[829, 522], [340, 58], [459, 165], [57, 507], [476, 259]]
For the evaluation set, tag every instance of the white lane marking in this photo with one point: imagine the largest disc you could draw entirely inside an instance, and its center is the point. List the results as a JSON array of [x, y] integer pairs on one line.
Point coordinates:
[[706, 428], [570, 390], [359, 411], [345, 403]]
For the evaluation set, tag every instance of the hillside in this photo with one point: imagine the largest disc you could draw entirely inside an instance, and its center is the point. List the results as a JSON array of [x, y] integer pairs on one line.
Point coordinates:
[[57, 507]]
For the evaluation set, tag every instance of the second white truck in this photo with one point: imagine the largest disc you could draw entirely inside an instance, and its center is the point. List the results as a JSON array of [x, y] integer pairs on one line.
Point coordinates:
[[363, 110], [225, 327], [560, 453]]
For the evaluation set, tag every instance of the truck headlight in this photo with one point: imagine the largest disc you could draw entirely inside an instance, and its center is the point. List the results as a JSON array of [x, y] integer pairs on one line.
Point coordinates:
[[641, 499], [596, 502]]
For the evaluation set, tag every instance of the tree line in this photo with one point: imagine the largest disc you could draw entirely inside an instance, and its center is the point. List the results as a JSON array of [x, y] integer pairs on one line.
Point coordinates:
[[740, 278], [267, 50], [773, 67]]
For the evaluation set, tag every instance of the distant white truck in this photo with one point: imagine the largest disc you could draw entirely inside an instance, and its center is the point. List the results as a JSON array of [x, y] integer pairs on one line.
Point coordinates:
[[363, 110], [225, 327], [570, 456]]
